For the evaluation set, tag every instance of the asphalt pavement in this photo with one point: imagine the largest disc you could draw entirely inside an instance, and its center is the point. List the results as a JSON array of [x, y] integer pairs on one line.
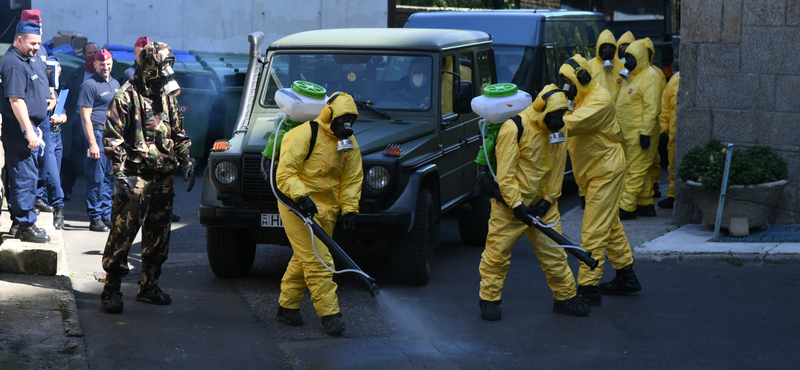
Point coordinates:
[[44, 317]]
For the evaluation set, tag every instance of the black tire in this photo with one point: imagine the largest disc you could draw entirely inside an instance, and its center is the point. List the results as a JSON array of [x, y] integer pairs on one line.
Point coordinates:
[[231, 251], [412, 254], [473, 226]]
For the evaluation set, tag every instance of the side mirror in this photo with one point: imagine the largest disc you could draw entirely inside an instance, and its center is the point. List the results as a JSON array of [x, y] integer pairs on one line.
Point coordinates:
[[463, 97]]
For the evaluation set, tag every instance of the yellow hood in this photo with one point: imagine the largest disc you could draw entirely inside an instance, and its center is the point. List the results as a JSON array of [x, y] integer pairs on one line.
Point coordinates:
[[339, 104], [571, 73]]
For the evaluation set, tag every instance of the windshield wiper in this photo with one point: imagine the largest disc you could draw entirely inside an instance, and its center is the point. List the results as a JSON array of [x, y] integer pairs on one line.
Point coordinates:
[[366, 104]]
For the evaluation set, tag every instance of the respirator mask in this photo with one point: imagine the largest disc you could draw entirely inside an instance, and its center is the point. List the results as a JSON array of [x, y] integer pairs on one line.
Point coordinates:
[[167, 79], [418, 79], [630, 65], [342, 128], [571, 91], [621, 52], [607, 55], [555, 122]]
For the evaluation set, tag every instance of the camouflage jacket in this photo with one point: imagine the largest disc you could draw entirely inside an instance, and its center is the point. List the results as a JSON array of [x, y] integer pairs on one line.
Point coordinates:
[[142, 137]]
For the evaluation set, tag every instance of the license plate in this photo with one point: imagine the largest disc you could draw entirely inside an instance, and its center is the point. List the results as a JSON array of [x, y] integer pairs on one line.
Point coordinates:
[[271, 220]]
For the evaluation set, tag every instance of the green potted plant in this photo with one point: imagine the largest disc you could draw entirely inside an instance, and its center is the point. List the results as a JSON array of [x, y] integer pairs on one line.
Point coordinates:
[[756, 179]]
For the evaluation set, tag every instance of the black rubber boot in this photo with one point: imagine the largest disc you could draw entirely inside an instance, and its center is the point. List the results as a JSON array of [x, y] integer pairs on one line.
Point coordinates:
[[290, 316], [490, 310], [625, 215], [58, 218], [151, 293], [590, 295], [333, 324], [583, 202], [111, 299], [646, 211], [625, 282], [656, 192], [32, 234], [572, 307], [667, 202]]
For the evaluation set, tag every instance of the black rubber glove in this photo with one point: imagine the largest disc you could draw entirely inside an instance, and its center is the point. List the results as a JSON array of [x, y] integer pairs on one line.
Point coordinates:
[[123, 187], [349, 225], [307, 205], [521, 212], [644, 141], [188, 174], [540, 209], [488, 185]]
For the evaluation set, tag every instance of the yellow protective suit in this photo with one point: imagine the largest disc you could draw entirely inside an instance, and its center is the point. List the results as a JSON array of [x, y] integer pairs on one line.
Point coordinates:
[[626, 38], [333, 181], [655, 168], [669, 119], [599, 166], [638, 107], [610, 79], [527, 172]]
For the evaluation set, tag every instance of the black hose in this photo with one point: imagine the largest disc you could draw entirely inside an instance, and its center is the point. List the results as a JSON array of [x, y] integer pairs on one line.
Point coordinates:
[[582, 256]]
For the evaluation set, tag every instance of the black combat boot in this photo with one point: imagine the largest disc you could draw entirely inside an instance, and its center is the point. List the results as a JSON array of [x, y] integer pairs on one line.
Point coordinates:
[[333, 324], [111, 299], [41, 205], [151, 293], [646, 211], [590, 295], [58, 217], [625, 215], [290, 316], [32, 234], [624, 283], [656, 192], [572, 307], [490, 310], [667, 202]]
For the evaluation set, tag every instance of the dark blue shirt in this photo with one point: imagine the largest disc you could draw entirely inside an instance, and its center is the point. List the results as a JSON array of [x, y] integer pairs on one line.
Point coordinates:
[[97, 94], [24, 78]]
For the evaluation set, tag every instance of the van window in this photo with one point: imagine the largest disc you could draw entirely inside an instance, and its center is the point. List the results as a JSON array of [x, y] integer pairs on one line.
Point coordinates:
[[484, 70], [465, 72], [521, 74]]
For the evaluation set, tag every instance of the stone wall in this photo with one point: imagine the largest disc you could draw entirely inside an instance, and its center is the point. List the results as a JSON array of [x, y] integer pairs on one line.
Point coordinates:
[[740, 66]]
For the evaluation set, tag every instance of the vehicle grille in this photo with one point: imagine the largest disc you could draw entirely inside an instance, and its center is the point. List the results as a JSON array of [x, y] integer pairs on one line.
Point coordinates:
[[253, 184]]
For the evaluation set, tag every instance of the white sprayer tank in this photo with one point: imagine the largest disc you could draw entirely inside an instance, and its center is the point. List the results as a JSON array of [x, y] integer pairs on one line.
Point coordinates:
[[302, 102], [500, 102]]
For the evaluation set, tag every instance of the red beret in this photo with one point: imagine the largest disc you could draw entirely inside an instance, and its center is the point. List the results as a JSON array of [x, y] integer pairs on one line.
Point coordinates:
[[31, 15], [142, 41], [102, 55]]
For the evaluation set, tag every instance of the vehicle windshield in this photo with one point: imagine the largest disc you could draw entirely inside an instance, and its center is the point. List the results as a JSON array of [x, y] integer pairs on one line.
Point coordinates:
[[384, 82], [515, 65]]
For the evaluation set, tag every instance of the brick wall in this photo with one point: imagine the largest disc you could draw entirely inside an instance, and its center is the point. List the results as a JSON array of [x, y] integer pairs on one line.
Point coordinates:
[[740, 66]]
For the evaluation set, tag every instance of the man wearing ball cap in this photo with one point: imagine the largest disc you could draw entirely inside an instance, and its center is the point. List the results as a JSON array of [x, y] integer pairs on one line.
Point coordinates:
[[24, 90], [529, 175]]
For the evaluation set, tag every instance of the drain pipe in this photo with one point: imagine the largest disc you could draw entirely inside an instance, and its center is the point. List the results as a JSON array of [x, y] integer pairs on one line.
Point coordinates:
[[723, 190]]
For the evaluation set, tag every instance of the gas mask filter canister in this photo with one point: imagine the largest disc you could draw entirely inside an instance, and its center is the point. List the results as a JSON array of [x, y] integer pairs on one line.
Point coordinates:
[[608, 65], [171, 87]]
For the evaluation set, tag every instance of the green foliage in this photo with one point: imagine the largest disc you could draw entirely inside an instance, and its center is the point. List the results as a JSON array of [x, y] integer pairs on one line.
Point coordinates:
[[756, 165]]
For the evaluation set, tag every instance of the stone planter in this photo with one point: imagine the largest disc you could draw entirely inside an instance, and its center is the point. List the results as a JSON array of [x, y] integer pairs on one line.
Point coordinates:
[[751, 203]]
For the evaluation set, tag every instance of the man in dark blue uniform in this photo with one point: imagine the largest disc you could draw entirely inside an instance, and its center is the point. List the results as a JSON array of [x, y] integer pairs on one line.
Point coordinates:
[[74, 165], [95, 96], [24, 91]]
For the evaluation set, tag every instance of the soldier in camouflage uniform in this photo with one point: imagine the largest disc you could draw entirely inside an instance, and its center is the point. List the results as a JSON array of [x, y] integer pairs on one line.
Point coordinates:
[[145, 141]]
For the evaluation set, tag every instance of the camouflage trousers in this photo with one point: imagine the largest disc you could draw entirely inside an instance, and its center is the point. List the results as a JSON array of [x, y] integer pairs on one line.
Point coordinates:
[[150, 208]]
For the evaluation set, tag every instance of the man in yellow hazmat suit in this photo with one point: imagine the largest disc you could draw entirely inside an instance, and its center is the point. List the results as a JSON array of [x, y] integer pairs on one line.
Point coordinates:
[[655, 168], [605, 66], [622, 43], [669, 118], [327, 182], [529, 175], [599, 165], [638, 107]]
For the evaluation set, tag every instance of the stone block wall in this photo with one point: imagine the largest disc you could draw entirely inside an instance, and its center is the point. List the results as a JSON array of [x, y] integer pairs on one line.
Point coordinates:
[[740, 66]]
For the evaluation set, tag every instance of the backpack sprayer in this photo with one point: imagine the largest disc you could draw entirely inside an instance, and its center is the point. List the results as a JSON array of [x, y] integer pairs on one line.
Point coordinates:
[[499, 103], [300, 103]]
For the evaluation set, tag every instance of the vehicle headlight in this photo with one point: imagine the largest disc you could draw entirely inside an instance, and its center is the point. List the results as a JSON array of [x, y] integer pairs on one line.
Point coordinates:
[[377, 177], [225, 172]]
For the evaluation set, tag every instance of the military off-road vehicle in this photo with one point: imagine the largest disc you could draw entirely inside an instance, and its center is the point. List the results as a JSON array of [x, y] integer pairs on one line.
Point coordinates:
[[417, 134]]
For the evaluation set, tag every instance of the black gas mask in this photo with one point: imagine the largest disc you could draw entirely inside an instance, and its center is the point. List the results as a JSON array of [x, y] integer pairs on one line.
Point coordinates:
[[621, 52], [167, 78], [607, 54], [342, 128], [630, 65], [572, 91], [555, 120]]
